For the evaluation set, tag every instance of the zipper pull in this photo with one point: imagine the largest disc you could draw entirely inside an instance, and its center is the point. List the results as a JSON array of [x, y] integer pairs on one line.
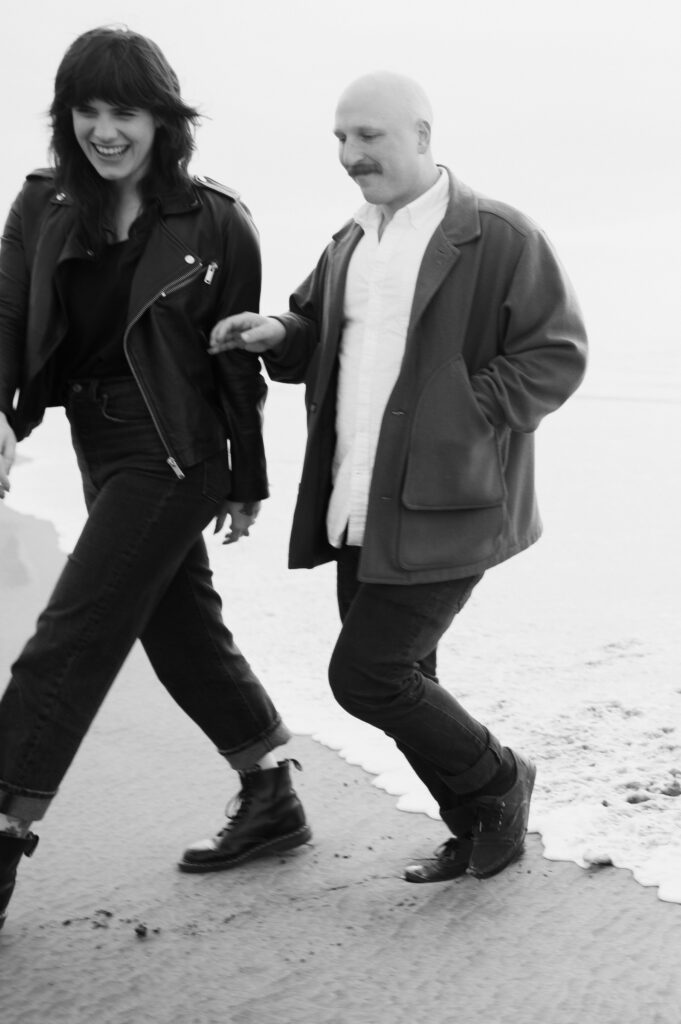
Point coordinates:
[[210, 273], [175, 468]]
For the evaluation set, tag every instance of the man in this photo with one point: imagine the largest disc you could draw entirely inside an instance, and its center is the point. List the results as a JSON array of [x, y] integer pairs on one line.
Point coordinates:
[[436, 331]]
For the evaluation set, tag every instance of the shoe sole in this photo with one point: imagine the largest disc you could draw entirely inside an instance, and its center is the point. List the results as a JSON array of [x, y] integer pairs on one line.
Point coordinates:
[[516, 852], [279, 845], [410, 876]]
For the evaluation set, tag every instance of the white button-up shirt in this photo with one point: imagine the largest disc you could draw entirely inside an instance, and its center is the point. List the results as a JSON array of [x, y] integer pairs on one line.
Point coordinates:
[[378, 298]]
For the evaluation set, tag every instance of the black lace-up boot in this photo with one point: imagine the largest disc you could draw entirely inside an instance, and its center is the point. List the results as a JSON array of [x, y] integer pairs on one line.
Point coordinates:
[[12, 849], [265, 817], [452, 858]]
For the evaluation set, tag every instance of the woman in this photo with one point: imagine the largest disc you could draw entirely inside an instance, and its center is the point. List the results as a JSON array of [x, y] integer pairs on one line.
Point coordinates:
[[114, 267]]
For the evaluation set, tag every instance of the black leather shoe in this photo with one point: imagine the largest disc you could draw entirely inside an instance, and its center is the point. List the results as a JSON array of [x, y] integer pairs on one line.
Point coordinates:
[[450, 861], [499, 836], [12, 849], [267, 818]]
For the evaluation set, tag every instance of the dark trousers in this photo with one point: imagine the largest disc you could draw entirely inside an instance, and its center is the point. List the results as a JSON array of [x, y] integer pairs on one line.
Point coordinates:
[[383, 671], [139, 570]]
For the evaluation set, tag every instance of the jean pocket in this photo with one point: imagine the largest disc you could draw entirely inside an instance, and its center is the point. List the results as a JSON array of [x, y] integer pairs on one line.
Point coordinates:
[[124, 405]]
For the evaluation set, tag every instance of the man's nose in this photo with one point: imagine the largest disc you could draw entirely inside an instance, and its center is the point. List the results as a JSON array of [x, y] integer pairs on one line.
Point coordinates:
[[349, 153]]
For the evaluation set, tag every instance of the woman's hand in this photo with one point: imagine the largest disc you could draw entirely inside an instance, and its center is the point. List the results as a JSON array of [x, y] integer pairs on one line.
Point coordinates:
[[248, 331], [242, 515], [8, 444]]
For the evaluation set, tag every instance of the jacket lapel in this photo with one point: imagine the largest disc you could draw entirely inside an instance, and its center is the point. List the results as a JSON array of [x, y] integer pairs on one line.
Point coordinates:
[[334, 297], [460, 224], [165, 261], [438, 260]]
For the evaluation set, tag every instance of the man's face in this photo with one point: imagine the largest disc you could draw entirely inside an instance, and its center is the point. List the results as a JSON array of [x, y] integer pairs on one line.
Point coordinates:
[[381, 149]]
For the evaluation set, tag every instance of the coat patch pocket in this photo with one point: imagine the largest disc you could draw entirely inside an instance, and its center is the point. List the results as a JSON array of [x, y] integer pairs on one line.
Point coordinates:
[[454, 459]]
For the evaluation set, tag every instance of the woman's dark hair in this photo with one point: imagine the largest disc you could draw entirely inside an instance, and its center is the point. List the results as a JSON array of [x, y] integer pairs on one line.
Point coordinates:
[[125, 69]]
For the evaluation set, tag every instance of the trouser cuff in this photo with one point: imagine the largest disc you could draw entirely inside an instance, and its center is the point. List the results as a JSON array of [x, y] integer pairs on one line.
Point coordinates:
[[26, 804], [246, 757], [477, 775]]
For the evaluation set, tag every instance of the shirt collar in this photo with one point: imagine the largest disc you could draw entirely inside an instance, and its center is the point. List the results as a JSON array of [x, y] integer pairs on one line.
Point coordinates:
[[414, 213]]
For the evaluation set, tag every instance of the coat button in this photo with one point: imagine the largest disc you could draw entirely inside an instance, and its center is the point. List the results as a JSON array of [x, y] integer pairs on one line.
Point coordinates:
[[77, 388], [189, 258], [313, 406]]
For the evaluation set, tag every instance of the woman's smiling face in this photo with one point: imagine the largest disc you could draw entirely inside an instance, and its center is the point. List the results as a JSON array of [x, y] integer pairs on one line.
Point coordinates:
[[116, 140]]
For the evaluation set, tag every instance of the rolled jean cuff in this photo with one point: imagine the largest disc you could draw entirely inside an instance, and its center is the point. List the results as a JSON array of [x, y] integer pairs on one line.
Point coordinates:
[[479, 774], [27, 804], [246, 756]]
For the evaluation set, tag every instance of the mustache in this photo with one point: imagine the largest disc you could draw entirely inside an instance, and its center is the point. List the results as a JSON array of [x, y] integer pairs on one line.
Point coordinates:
[[359, 169]]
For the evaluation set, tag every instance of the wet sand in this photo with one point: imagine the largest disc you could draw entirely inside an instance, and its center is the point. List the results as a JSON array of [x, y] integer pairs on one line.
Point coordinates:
[[103, 927]]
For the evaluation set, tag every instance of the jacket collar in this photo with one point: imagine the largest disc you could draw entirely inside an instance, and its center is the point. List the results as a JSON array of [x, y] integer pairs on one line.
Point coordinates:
[[461, 222], [181, 201]]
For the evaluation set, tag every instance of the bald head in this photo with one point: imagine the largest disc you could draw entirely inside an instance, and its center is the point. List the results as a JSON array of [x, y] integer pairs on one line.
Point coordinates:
[[391, 92], [383, 125]]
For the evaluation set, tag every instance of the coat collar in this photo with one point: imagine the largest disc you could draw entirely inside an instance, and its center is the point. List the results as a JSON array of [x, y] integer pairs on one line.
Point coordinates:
[[460, 224], [185, 201]]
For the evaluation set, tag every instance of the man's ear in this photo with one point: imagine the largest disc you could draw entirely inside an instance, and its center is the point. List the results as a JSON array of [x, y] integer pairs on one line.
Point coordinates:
[[423, 135]]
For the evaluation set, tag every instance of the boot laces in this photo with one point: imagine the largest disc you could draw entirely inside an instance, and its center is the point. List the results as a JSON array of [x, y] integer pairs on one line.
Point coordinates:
[[235, 809], [450, 848], [490, 815]]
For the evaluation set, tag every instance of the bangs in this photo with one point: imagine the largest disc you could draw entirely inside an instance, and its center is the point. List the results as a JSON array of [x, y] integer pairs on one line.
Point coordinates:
[[119, 74]]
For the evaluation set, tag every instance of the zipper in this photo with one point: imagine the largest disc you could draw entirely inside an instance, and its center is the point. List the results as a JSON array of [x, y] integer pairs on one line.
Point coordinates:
[[169, 289], [210, 273]]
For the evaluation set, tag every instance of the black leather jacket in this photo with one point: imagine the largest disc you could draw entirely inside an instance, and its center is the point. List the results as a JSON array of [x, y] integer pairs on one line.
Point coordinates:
[[201, 262]]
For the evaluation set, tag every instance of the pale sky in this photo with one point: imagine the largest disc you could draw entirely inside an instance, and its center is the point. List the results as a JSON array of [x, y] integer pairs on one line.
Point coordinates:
[[569, 111]]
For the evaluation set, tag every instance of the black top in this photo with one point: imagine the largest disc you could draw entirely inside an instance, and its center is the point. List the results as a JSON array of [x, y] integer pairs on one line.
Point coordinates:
[[96, 294]]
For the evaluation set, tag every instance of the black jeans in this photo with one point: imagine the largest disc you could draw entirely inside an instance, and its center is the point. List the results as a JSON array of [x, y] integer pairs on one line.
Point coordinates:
[[139, 570], [383, 671]]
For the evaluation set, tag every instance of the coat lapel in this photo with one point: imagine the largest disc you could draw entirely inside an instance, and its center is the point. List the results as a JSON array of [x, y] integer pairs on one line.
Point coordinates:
[[460, 224], [339, 259], [438, 260], [166, 259]]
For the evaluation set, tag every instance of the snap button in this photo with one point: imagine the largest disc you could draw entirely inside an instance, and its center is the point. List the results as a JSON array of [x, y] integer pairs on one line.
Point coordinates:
[[189, 258]]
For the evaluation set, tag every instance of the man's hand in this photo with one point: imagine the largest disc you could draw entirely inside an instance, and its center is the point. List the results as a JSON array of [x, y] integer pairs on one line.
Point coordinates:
[[249, 331], [242, 515], [8, 444]]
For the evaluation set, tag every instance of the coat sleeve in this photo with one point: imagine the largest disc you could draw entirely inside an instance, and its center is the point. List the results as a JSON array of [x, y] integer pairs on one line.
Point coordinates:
[[543, 345], [290, 362], [14, 285], [241, 385]]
